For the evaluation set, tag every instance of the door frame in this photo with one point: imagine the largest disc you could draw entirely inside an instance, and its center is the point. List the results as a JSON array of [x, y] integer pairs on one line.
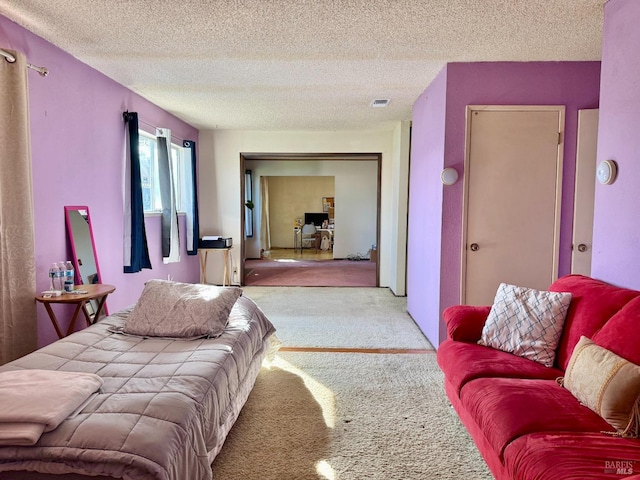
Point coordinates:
[[584, 188], [465, 184], [308, 156]]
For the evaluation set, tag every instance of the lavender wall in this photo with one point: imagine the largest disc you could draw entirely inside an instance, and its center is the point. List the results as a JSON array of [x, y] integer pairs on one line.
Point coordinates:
[[425, 206], [573, 84], [78, 141], [616, 229]]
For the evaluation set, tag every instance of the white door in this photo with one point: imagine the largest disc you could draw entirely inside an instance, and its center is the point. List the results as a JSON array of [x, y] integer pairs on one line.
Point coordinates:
[[513, 178], [585, 191]]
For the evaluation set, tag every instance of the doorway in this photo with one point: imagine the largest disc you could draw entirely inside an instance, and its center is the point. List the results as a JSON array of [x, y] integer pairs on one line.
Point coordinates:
[[357, 185], [512, 197]]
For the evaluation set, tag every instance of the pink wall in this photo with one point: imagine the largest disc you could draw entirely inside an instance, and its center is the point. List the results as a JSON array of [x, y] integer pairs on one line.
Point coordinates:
[[78, 140], [573, 84], [616, 228]]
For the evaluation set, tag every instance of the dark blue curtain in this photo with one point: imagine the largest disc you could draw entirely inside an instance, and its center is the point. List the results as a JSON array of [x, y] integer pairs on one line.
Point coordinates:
[[167, 198], [139, 258], [193, 223]]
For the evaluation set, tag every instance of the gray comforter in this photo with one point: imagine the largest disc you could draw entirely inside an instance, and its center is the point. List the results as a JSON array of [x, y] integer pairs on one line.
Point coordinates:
[[166, 405]]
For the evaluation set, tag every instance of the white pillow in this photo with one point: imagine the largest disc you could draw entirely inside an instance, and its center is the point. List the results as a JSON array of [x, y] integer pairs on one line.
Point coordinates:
[[173, 309], [526, 322]]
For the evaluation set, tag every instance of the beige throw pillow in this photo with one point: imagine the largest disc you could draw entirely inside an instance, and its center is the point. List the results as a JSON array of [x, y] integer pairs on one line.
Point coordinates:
[[173, 309], [526, 322], [606, 383]]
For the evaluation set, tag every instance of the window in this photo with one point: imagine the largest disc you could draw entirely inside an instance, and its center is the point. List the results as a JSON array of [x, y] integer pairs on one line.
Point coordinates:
[[148, 149]]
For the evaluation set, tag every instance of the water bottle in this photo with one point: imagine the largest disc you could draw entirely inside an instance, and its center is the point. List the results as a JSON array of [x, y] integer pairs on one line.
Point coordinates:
[[53, 272], [68, 277], [59, 281]]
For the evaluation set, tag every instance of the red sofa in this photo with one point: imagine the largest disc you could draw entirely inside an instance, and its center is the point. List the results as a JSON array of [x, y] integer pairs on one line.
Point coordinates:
[[524, 424]]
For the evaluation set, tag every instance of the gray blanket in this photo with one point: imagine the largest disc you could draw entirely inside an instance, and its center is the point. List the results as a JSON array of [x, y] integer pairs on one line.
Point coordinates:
[[166, 405]]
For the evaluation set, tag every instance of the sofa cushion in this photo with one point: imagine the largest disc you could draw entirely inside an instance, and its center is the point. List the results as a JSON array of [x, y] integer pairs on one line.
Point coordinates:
[[621, 334], [465, 322], [593, 302], [462, 362], [578, 455], [607, 384], [526, 322], [507, 408]]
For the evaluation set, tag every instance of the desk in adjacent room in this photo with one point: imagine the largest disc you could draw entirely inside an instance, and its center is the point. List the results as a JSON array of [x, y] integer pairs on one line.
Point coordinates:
[[322, 231]]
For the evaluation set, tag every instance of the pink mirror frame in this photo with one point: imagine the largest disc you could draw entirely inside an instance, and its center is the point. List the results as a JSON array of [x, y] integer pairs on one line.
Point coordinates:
[[83, 246]]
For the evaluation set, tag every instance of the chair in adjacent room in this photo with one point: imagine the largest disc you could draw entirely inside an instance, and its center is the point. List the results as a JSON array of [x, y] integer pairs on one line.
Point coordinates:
[[309, 234]]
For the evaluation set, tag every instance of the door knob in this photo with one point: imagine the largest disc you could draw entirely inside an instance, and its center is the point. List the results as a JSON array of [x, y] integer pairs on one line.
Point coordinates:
[[582, 247], [474, 247]]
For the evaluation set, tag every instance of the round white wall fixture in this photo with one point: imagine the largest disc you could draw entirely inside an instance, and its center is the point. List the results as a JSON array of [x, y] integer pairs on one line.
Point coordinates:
[[607, 172], [449, 176]]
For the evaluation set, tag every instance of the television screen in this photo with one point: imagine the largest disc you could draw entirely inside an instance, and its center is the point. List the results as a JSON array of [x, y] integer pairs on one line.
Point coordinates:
[[316, 218]]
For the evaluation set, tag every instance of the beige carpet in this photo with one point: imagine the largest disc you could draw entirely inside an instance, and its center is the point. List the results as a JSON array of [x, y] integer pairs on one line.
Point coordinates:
[[347, 416], [359, 317]]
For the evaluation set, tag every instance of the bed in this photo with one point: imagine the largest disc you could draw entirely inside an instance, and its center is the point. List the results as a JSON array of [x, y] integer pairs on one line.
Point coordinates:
[[163, 411]]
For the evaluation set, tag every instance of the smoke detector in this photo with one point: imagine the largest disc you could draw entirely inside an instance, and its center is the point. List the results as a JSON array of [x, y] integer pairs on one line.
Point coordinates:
[[380, 102]]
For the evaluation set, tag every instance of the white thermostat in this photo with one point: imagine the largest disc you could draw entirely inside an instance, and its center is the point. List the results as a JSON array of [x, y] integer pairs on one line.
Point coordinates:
[[606, 172]]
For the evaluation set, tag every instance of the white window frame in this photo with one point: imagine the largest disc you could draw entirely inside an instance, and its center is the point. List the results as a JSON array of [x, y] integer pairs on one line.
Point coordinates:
[[181, 181]]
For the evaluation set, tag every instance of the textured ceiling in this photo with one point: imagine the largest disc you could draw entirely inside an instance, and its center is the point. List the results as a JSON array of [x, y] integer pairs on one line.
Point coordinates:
[[302, 64]]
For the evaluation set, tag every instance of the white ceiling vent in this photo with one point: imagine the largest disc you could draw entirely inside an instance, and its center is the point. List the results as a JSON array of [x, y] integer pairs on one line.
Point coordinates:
[[380, 102]]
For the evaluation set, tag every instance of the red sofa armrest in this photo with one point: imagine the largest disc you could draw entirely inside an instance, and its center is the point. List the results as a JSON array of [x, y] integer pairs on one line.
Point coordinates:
[[465, 322]]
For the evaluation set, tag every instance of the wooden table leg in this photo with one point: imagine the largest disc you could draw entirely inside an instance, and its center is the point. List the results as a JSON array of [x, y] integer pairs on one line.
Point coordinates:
[[75, 316], [87, 315], [101, 302], [52, 316], [225, 275], [96, 315], [203, 267]]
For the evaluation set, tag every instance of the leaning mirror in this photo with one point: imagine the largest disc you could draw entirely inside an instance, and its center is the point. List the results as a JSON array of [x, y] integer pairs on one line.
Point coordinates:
[[83, 248]]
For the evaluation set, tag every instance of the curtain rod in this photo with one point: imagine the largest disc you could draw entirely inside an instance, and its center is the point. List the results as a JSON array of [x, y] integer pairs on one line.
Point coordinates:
[[155, 128], [11, 59]]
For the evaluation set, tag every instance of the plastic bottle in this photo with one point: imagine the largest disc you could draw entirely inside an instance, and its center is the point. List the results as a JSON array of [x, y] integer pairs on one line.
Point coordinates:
[[53, 272], [59, 283], [69, 277]]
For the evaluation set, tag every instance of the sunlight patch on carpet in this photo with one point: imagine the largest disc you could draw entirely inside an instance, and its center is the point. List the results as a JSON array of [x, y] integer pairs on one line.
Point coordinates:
[[325, 470], [323, 395]]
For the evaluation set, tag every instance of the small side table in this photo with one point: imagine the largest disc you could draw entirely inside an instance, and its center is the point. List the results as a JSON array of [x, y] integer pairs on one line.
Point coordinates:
[[97, 292], [203, 253]]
